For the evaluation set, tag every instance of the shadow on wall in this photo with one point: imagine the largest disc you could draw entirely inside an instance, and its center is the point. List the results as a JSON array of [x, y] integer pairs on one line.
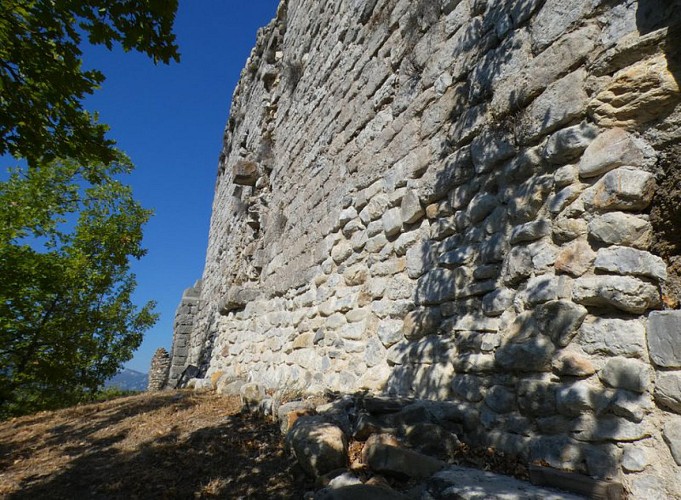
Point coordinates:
[[507, 379]]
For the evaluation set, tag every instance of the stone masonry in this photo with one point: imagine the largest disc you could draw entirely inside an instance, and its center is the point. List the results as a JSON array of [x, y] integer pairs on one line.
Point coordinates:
[[160, 368], [460, 201]]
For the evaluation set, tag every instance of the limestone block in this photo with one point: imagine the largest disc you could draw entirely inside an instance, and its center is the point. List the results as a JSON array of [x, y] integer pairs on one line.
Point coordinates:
[[496, 302], [392, 222], [490, 148], [346, 215], [664, 338], [355, 275], [611, 149], [612, 337], [672, 436], [624, 188], [530, 231], [341, 252], [319, 447], [610, 428], [375, 208], [245, 172], [460, 256], [560, 320], [555, 17], [577, 398], [566, 229], [634, 458], [474, 321], [573, 365], [544, 288], [387, 457], [630, 405], [562, 199], [622, 292], [537, 397], [562, 102], [668, 390], [410, 209], [568, 143], [575, 259], [625, 260], [389, 331], [469, 387], [500, 399], [421, 322], [619, 228], [624, 373], [420, 258], [564, 176], [521, 353], [636, 94]]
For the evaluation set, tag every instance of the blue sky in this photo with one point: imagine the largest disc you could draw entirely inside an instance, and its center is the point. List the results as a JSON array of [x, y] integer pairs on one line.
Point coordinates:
[[170, 120]]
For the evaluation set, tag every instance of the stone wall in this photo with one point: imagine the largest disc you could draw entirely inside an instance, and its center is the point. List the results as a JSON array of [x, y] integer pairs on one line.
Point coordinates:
[[468, 201], [160, 368], [183, 332]]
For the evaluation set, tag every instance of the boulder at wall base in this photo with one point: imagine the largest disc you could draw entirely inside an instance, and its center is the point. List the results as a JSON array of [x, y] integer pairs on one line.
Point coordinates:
[[385, 455], [319, 446], [359, 492]]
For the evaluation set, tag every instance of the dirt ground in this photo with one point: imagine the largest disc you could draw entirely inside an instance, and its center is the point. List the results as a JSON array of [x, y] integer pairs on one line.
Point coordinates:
[[159, 445]]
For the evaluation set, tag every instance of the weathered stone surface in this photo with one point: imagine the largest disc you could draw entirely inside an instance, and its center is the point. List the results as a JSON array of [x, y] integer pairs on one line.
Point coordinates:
[[608, 428], [672, 436], [252, 394], [537, 397], [613, 337], [530, 231], [421, 322], [619, 228], [392, 222], [573, 365], [319, 446], [622, 292], [544, 288], [624, 188], [525, 354], [624, 260], [410, 209], [359, 492], [577, 398], [432, 439], [575, 259], [245, 172], [637, 94], [626, 373], [560, 320], [500, 399], [568, 143], [634, 458], [664, 338], [562, 102], [668, 390], [565, 229], [496, 302], [392, 459], [611, 149]]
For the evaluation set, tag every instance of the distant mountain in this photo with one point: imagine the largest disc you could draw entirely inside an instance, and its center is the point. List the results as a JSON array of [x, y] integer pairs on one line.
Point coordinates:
[[129, 380]]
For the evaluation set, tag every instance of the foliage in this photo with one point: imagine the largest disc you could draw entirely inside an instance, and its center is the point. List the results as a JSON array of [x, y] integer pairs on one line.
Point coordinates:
[[67, 320], [42, 81]]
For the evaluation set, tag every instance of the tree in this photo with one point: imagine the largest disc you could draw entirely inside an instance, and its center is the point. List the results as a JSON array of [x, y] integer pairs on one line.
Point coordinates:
[[67, 320], [42, 82], [68, 226]]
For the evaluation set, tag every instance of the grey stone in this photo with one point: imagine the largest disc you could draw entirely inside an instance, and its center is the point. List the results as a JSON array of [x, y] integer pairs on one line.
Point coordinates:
[[576, 399], [410, 209], [490, 148], [631, 405], [567, 144], [573, 365], [252, 394], [555, 17], [544, 288], [392, 222], [432, 439], [624, 188], [390, 331], [376, 207], [575, 259], [565, 229], [668, 390], [648, 486], [634, 458], [359, 492], [562, 102], [496, 302], [524, 348], [420, 258], [622, 292], [619, 228], [319, 447], [382, 457], [564, 176], [460, 256], [481, 206], [603, 460], [613, 337], [421, 322], [537, 397], [672, 436], [500, 399], [624, 373], [664, 338], [624, 260], [560, 320], [611, 149], [468, 387], [610, 428], [375, 352], [346, 215], [341, 252], [530, 231]]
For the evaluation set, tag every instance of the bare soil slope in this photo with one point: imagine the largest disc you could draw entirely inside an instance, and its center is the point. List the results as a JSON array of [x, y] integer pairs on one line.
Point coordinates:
[[159, 445]]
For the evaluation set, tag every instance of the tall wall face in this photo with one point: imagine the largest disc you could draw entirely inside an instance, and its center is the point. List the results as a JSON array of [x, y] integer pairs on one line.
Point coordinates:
[[463, 200]]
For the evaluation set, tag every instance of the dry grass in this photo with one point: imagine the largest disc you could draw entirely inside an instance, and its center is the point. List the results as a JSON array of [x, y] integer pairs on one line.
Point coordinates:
[[162, 445]]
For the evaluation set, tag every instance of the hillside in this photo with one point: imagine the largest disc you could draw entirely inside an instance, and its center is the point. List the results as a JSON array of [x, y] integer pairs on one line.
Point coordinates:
[[160, 445], [129, 380]]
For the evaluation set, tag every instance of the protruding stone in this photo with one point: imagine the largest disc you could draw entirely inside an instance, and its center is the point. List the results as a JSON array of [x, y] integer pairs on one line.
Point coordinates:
[[624, 188], [622, 292], [319, 446], [664, 338], [672, 436], [245, 172], [668, 390], [568, 143], [392, 222], [410, 209], [611, 149], [421, 322], [530, 231], [626, 373], [619, 228], [613, 337], [389, 458], [625, 260], [634, 458], [575, 259], [573, 365], [560, 320]]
